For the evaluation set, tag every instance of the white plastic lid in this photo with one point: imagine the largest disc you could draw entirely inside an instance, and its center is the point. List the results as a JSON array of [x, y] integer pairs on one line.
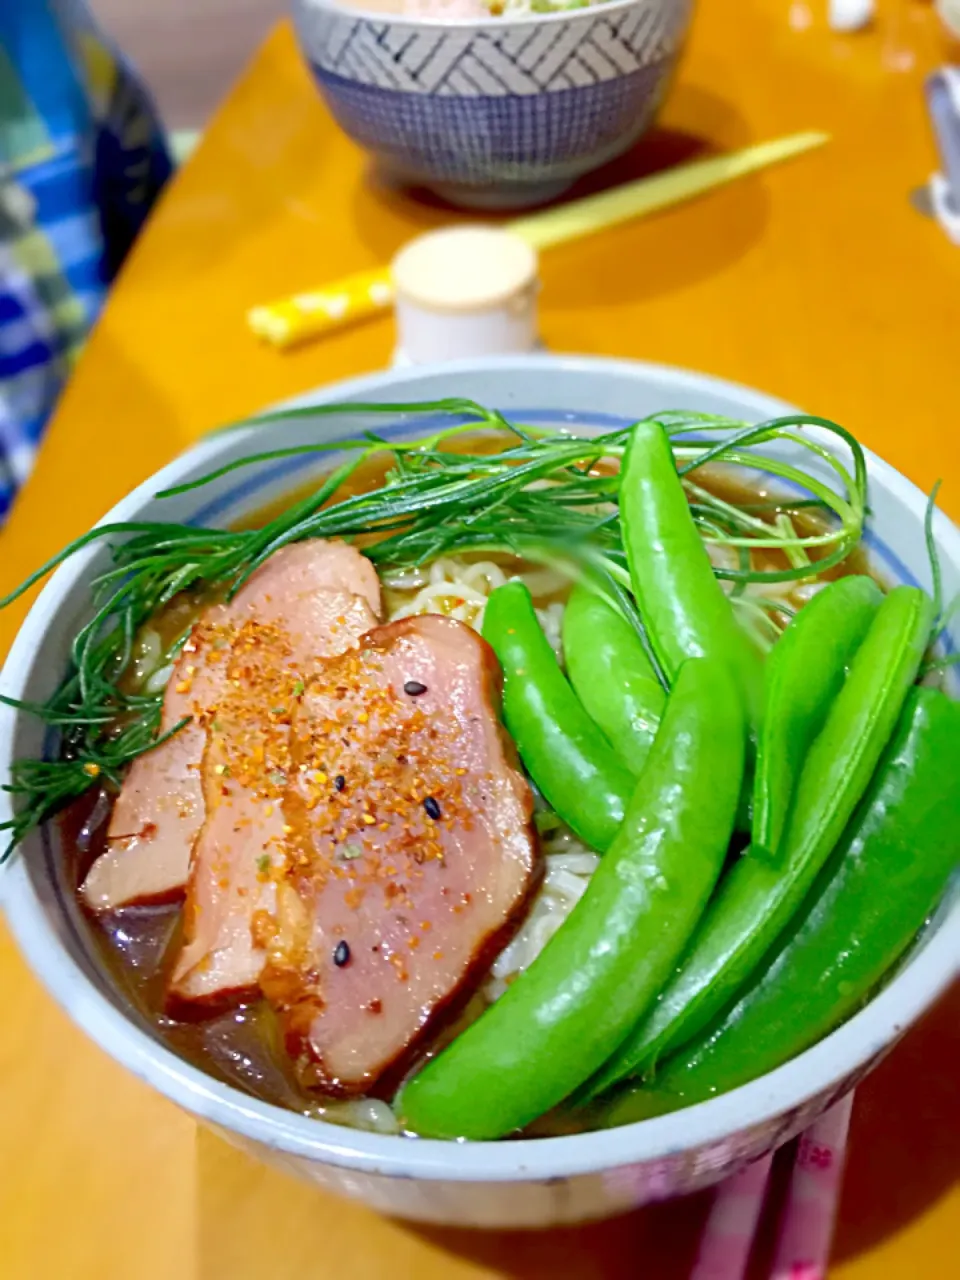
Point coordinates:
[[949, 11], [462, 269], [850, 15]]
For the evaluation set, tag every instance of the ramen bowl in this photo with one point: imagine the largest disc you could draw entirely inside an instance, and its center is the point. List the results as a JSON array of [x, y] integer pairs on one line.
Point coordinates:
[[517, 1182], [496, 112]]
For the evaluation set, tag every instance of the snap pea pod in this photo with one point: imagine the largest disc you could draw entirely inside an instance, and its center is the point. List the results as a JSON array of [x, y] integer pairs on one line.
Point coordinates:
[[560, 1019], [612, 675], [805, 671], [757, 899], [681, 602], [565, 753], [882, 881]]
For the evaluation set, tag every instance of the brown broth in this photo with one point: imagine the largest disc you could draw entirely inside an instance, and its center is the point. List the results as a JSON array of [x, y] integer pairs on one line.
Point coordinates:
[[243, 1047], [372, 473]]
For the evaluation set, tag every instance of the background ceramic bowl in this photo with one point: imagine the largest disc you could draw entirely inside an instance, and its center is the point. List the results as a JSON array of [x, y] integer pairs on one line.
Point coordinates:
[[498, 112], [512, 1183]]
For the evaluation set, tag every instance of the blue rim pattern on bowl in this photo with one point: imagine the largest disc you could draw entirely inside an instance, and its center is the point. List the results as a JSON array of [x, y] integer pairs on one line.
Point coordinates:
[[513, 103]]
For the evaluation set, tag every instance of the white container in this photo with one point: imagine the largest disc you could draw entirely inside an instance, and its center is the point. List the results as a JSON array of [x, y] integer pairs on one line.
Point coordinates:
[[465, 291], [949, 11], [525, 1183], [850, 15]]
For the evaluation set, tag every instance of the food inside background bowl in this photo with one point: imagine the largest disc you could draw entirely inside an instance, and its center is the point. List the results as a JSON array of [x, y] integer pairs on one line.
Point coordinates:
[[466, 10], [357, 880]]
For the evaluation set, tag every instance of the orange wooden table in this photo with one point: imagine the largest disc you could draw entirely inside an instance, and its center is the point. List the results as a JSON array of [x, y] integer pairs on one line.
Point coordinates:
[[816, 281]]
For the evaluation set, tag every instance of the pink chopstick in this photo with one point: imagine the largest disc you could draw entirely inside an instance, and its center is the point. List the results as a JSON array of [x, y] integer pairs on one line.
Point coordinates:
[[730, 1228], [809, 1214], [806, 1231]]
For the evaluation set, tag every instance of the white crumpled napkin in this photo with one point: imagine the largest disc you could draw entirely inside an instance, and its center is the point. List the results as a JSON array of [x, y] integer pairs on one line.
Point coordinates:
[[943, 101]]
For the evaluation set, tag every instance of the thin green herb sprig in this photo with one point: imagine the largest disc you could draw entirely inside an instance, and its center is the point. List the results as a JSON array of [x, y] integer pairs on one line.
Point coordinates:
[[944, 613], [545, 497]]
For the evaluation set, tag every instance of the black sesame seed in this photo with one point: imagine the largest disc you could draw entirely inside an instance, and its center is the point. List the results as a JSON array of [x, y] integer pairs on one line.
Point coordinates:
[[339, 782], [432, 808], [414, 688], [342, 955]]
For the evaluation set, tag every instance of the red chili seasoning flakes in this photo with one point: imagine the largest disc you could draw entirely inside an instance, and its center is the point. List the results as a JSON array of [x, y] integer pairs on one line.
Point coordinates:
[[397, 757], [370, 780], [255, 750]]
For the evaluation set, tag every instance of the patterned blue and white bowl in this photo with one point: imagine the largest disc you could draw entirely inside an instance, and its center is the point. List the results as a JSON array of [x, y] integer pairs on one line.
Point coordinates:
[[495, 112]]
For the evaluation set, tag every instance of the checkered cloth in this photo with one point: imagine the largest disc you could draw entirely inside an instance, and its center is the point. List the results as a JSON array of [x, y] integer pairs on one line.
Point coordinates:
[[82, 158]]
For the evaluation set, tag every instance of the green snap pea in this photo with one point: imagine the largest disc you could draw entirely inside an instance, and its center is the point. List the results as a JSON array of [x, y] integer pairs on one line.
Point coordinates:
[[681, 602], [561, 1018], [569, 759], [612, 675], [882, 881], [757, 898], [805, 671]]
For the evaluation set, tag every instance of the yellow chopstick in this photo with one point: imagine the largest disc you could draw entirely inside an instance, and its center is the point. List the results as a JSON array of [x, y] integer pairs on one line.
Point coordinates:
[[358, 297], [308, 315], [609, 208]]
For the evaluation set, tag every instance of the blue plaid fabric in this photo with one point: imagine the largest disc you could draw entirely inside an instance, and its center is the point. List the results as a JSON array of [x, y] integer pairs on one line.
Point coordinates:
[[82, 158]]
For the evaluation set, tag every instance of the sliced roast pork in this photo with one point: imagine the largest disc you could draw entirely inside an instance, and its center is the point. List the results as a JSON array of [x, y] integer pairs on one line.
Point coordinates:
[[244, 774], [161, 807], [408, 853]]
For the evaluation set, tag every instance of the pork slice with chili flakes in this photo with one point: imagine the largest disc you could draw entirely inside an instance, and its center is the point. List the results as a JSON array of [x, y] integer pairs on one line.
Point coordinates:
[[408, 845], [161, 805], [239, 852]]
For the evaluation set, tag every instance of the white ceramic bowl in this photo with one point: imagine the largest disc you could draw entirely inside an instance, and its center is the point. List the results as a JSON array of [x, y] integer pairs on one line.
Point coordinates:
[[513, 1183], [493, 112]]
